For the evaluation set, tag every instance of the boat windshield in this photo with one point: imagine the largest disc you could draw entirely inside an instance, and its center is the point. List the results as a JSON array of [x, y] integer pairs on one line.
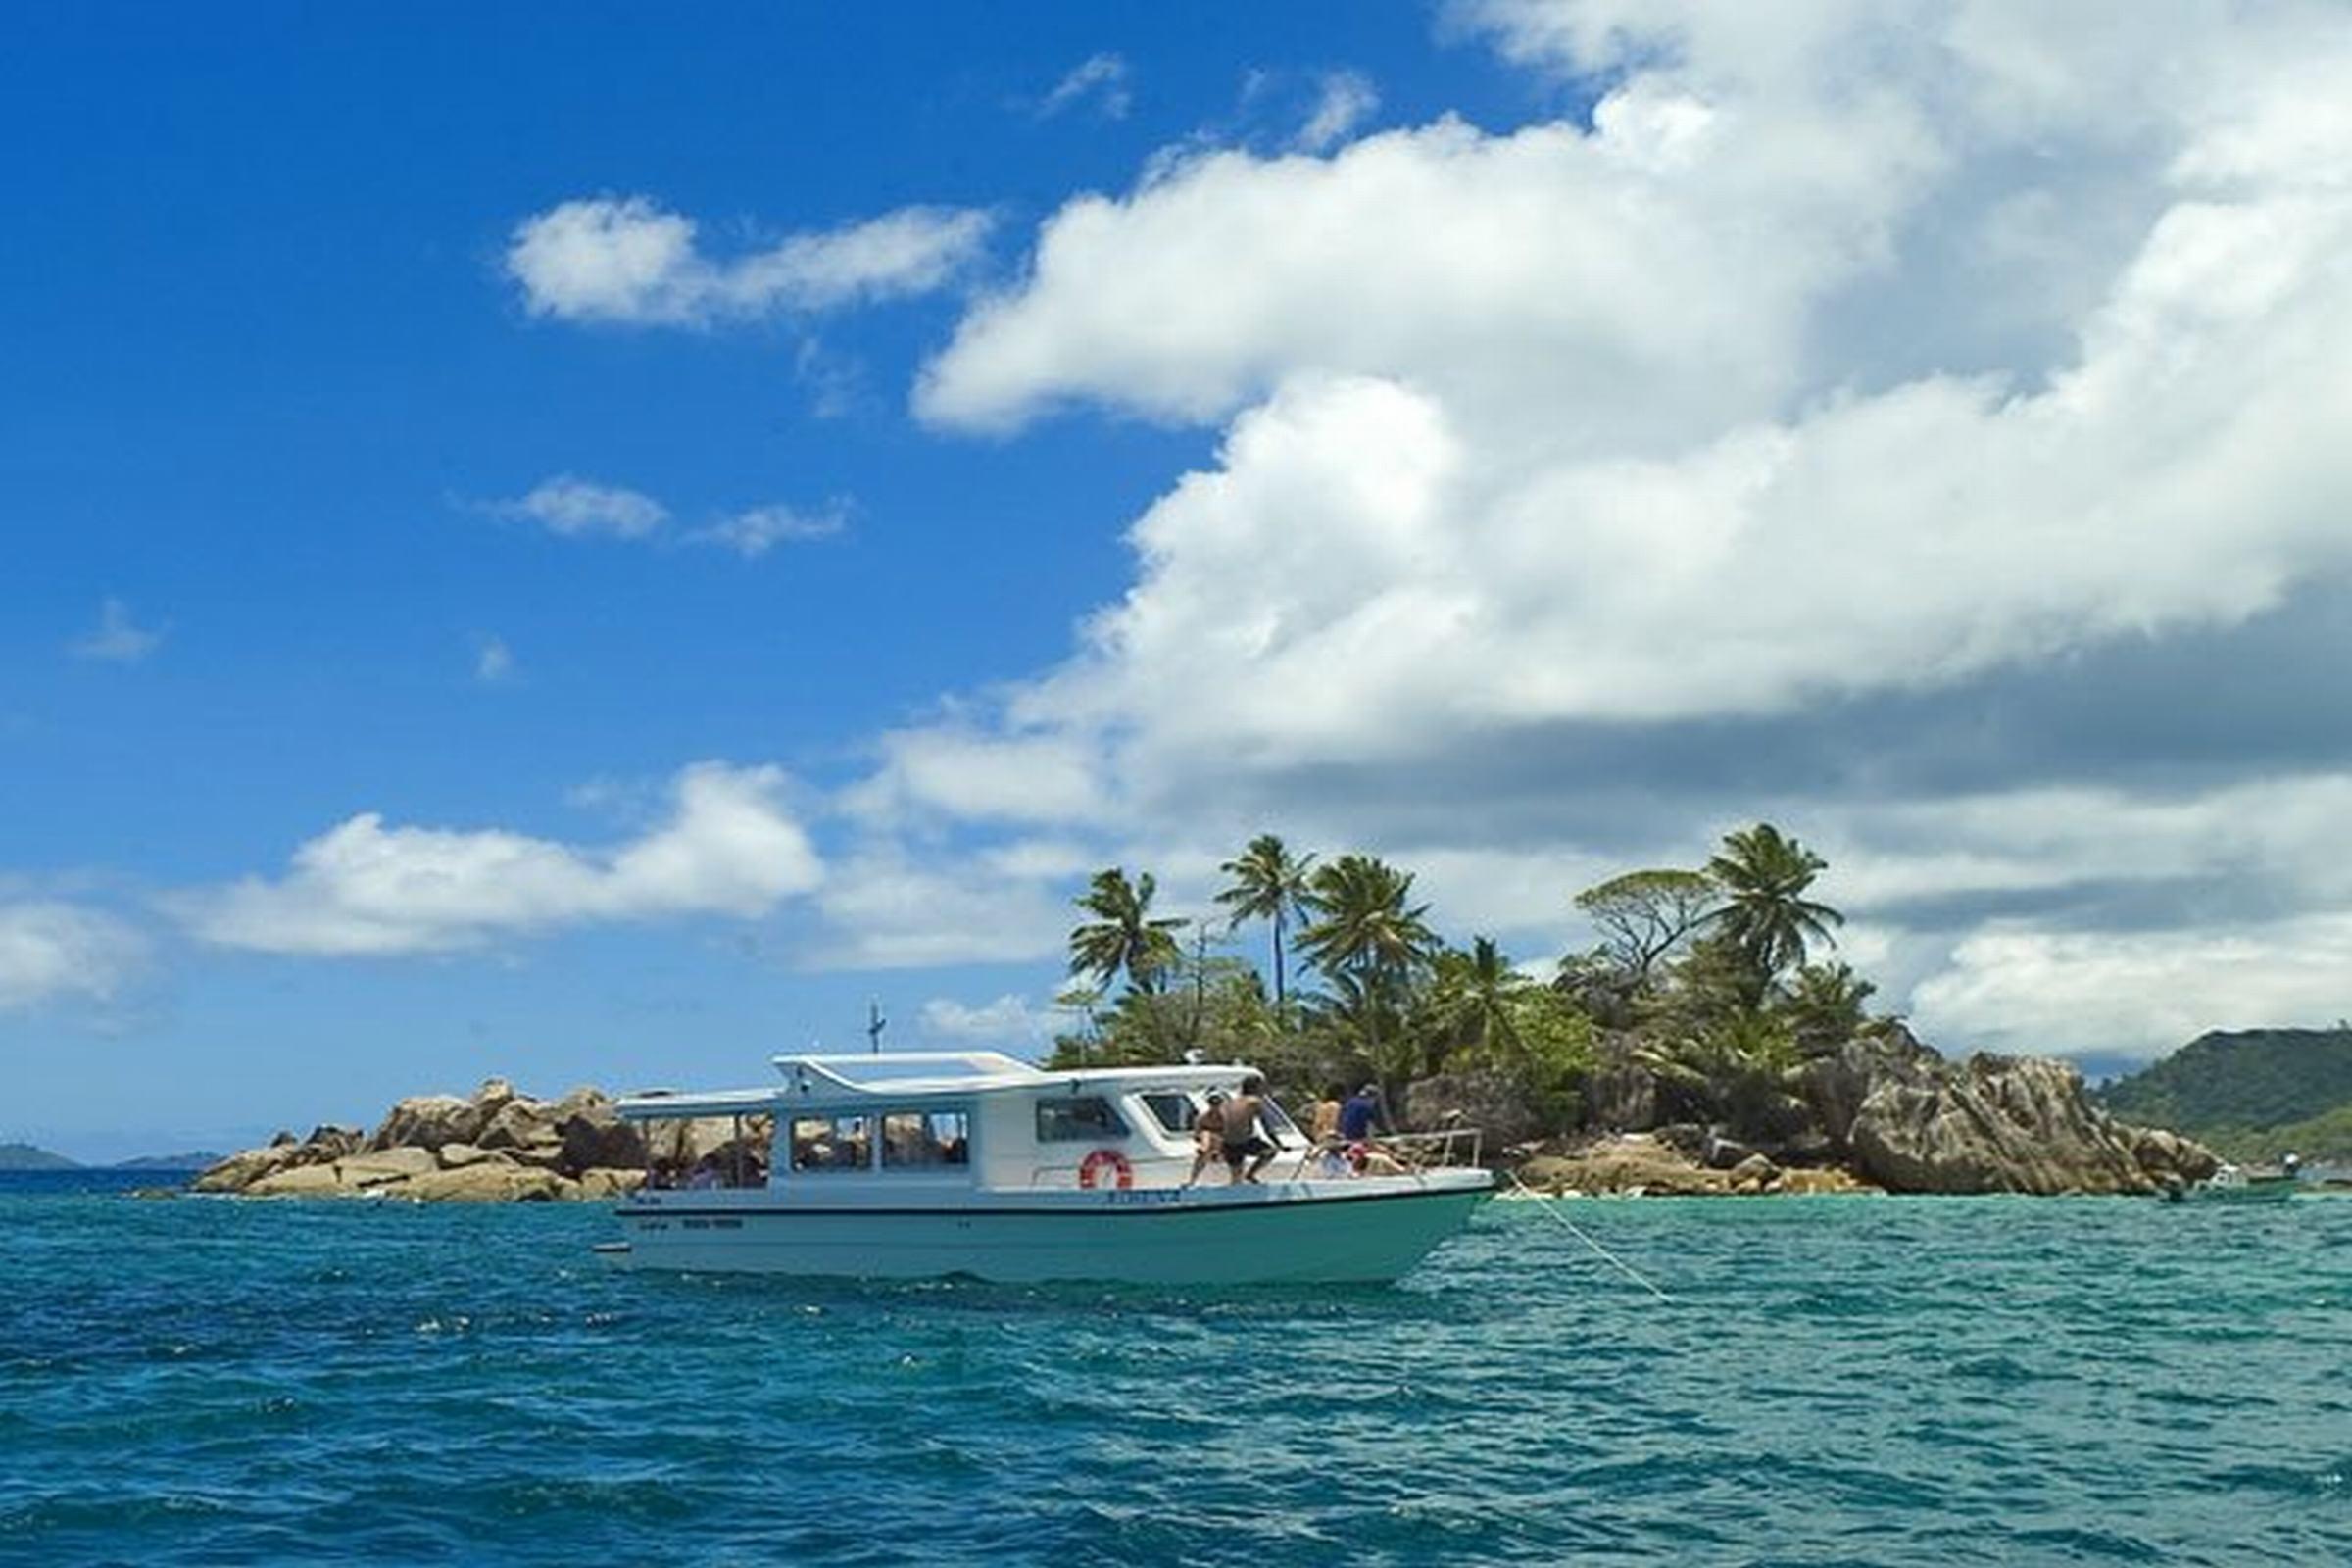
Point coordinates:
[[1173, 1109]]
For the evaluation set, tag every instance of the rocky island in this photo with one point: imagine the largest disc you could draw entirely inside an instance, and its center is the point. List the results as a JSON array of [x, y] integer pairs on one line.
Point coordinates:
[[1700, 1047], [497, 1145], [1883, 1113]]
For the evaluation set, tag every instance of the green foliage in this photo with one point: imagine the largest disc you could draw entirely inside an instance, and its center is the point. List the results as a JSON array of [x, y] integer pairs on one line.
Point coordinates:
[[1701, 976], [1470, 1007], [2324, 1139], [1645, 917], [1124, 938], [1551, 1053], [1224, 1016], [1764, 877], [2246, 1082], [1736, 1068], [1822, 1006], [1363, 923], [1268, 883]]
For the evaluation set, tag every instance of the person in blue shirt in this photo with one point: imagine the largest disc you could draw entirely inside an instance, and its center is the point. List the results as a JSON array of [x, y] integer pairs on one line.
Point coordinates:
[[1362, 1114]]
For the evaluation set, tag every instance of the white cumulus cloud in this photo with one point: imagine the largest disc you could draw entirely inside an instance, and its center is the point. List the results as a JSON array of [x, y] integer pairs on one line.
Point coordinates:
[[2033, 990], [52, 951], [730, 847], [1840, 356], [577, 508], [755, 530], [627, 260], [1008, 1021], [1344, 100]]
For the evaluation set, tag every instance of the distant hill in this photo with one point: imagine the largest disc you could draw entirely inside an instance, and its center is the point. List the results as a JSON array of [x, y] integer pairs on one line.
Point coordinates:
[[196, 1161], [2252, 1093], [23, 1156]]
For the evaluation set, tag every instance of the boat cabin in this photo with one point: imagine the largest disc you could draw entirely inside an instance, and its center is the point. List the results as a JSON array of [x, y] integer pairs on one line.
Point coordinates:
[[923, 1121]]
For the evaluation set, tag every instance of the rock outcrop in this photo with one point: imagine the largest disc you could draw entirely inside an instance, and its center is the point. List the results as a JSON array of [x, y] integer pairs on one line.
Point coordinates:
[[1488, 1101], [1881, 1107], [2007, 1125], [1654, 1165], [495, 1146]]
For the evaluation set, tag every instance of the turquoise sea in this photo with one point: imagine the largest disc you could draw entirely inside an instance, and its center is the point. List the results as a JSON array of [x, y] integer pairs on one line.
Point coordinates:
[[1862, 1381]]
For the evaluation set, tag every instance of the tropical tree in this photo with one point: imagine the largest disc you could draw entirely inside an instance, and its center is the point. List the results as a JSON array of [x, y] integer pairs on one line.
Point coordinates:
[[1080, 1000], [1124, 938], [1643, 916], [1269, 884], [1363, 923], [1368, 938], [1824, 1005], [1764, 876], [1473, 997]]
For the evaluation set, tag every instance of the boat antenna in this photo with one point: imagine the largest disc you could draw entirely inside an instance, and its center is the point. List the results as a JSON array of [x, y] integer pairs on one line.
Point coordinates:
[[875, 1024]]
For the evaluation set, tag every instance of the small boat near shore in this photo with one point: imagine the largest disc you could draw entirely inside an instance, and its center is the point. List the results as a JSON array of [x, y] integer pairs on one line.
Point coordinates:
[[926, 1165], [2233, 1184]]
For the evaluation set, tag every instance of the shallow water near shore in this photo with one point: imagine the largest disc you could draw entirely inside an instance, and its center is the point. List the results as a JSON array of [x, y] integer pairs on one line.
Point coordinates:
[[1837, 1380]]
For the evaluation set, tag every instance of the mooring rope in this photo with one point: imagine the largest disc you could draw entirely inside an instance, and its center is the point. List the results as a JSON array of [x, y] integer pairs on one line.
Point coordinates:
[[1549, 1207]]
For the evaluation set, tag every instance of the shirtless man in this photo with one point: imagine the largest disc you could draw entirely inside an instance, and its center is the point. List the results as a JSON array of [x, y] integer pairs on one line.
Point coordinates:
[[1244, 1146]]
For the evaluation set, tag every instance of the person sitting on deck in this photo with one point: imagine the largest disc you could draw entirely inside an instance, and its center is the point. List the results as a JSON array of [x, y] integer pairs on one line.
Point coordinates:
[[1359, 1124], [1209, 1134]]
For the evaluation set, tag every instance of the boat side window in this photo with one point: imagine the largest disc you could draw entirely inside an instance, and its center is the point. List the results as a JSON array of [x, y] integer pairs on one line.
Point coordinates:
[[917, 1139], [1078, 1119], [1174, 1110], [830, 1143]]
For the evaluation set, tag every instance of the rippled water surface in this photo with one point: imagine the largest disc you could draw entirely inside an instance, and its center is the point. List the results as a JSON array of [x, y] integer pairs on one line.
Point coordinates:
[[1836, 1381]]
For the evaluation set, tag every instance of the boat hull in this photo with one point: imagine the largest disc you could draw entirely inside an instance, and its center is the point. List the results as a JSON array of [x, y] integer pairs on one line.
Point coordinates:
[[2260, 1190], [1296, 1233]]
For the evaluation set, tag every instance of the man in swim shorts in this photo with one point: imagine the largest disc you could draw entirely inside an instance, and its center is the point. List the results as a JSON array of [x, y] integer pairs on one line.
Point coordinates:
[[1247, 1149]]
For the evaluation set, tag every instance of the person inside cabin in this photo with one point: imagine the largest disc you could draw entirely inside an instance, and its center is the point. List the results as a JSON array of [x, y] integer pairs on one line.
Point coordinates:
[[706, 1174], [1209, 1134], [1247, 1149]]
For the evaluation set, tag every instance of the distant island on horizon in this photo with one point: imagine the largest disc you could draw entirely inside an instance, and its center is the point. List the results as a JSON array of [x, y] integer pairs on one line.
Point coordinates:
[[2251, 1095], [27, 1156]]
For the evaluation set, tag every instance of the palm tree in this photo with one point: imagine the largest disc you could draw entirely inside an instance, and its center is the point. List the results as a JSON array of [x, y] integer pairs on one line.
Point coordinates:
[[1123, 938], [1364, 932], [1362, 922], [1765, 914], [1269, 884], [1473, 997]]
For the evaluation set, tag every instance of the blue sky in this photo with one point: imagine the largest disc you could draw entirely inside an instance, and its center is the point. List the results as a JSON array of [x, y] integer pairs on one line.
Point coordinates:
[[755, 502]]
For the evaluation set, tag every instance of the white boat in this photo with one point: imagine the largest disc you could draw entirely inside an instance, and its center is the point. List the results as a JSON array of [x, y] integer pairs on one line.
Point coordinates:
[[913, 1166]]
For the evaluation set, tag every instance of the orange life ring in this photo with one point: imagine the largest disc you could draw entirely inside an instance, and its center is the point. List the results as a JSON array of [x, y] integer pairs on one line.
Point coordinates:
[[1089, 1172]]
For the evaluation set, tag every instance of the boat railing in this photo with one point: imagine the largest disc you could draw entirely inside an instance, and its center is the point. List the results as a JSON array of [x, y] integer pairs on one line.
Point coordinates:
[[1443, 1149]]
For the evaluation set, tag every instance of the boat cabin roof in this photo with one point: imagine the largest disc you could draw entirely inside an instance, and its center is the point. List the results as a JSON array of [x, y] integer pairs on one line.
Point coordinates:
[[897, 1077]]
